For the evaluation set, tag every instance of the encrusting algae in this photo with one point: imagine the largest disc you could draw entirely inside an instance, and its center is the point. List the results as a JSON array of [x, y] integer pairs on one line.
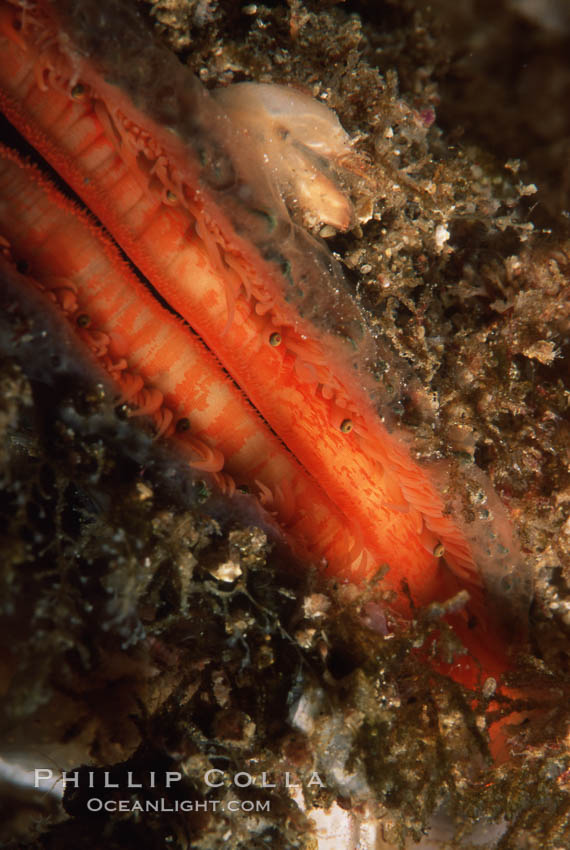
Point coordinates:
[[215, 649]]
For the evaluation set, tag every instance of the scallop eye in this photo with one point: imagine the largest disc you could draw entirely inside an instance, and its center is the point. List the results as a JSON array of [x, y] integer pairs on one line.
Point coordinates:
[[83, 320], [275, 339], [78, 92], [183, 425], [346, 426]]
